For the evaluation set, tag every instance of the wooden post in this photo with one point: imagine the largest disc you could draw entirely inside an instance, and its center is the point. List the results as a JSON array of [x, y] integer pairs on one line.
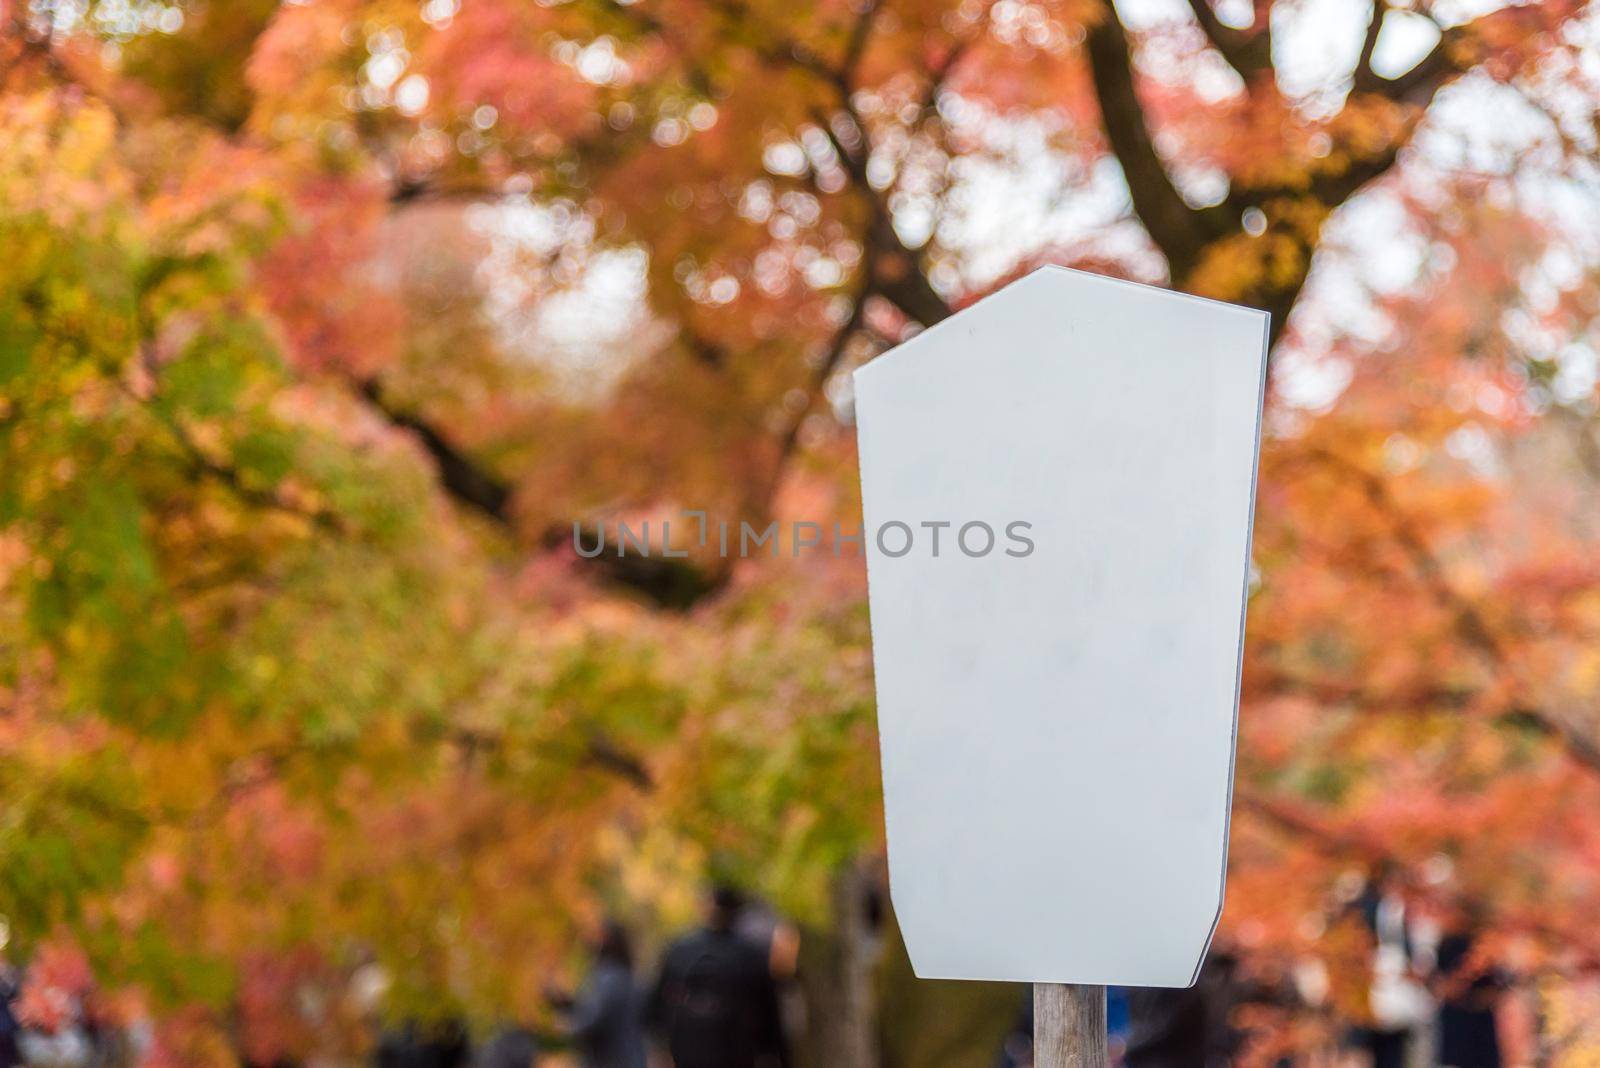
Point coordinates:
[[1069, 1026]]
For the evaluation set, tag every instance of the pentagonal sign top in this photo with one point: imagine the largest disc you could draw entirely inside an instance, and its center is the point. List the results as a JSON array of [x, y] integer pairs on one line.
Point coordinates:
[[1058, 485]]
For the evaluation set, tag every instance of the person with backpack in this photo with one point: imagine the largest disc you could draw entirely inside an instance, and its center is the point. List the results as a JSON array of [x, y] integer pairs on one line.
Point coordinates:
[[716, 1003]]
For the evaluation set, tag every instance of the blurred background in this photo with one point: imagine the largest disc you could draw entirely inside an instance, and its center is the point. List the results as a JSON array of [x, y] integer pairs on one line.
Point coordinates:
[[323, 322]]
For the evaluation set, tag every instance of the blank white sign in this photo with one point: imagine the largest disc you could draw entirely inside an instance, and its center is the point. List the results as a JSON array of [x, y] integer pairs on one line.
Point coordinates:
[[1057, 724]]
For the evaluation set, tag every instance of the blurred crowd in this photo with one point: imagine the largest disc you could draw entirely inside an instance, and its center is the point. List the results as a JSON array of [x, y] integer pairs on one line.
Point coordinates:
[[716, 1001], [1433, 999], [720, 997]]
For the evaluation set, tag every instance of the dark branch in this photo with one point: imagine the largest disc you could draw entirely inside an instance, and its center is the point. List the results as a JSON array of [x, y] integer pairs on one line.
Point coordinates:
[[1418, 85], [463, 478], [597, 750], [857, 45], [668, 583], [895, 269], [606, 755], [789, 440], [1179, 231], [901, 281], [1247, 51], [1363, 73], [411, 190], [204, 465], [1331, 187]]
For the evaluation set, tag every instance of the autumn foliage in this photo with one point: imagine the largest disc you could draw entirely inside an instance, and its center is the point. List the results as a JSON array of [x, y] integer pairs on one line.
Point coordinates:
[[322, 322]]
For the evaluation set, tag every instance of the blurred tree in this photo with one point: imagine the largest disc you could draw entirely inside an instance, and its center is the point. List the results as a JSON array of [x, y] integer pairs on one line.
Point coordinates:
[[1420, 680], [306, 695], [790, 175]]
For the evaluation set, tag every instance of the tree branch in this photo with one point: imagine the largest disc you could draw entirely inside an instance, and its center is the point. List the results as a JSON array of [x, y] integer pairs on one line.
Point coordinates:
[[1247, 52], [668, 583], [463, 478], [902, 282], [896, 270], [1363, 71], [1418, 85], [790, 439], [1178, 230], [597, 750], [856, 47]]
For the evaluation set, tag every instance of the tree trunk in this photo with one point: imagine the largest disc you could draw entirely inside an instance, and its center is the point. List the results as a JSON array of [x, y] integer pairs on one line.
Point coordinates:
[[837, 971]]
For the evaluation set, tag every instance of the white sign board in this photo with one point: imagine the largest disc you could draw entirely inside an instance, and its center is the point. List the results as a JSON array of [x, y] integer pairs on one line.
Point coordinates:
[[1057, 700]]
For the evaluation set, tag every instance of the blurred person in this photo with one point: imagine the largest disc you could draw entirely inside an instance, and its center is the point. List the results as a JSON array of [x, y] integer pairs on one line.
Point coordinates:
[[1016, 1048], [1187, 1027], [509, 1047], [1116, 1025], [605, 1021], [10, 1029], [1468, 992], [761, 925], [55, 1029], [716, 1001], [1399, 1004], [443, 1044]]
